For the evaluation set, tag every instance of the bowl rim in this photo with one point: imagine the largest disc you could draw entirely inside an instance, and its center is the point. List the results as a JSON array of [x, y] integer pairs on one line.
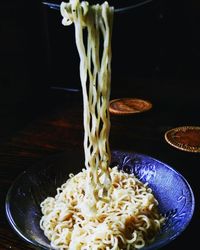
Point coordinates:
[[10, 218]]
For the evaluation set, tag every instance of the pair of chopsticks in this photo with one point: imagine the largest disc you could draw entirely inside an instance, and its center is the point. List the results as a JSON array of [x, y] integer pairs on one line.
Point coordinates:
[[117, 10]]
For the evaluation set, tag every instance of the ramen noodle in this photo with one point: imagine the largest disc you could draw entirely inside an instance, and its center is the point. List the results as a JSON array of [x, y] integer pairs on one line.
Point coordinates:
[[99, 208]]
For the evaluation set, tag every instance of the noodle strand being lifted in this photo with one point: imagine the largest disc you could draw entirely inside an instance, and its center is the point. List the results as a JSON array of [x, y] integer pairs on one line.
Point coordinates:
[[99, 208], [95, 73]]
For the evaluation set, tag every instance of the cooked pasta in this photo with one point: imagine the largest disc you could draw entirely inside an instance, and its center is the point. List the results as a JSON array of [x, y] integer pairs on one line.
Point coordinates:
[[95, 73], [100, 208], [129, 220]]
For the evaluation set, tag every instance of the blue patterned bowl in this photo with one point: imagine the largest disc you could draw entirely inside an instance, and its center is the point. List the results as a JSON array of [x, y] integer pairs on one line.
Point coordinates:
[[175, 197]]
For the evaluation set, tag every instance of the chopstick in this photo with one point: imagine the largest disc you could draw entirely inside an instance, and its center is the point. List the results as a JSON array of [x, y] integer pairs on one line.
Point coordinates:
[[118, 10]]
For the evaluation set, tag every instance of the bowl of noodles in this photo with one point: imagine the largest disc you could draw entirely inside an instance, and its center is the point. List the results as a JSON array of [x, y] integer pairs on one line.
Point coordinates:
[[30, 200]]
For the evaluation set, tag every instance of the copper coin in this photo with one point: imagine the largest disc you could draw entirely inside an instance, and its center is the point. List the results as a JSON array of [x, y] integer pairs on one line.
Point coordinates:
[[186, 138], [126, 106]]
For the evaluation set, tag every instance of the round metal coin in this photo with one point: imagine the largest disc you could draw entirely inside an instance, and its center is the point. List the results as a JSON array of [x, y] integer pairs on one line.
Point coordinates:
[[126, 106], [185, 138]]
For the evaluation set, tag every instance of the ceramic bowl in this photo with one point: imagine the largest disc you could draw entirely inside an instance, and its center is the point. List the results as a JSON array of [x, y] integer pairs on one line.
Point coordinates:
[[174, 194]]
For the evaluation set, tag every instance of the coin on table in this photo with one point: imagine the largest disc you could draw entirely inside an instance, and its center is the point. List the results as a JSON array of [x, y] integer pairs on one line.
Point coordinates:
[[185, 138], [126, 106]]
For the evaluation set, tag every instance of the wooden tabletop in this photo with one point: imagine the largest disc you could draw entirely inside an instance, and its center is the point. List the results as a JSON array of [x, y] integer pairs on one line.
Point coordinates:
[[57, 127]]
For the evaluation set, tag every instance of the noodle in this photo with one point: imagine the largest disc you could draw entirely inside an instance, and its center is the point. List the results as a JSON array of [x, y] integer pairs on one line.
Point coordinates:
[[100, 208], [128, 221], [95, 73]]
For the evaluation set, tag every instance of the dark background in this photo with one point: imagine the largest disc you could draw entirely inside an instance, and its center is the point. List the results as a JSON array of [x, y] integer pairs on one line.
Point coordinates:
[[156, 52]]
